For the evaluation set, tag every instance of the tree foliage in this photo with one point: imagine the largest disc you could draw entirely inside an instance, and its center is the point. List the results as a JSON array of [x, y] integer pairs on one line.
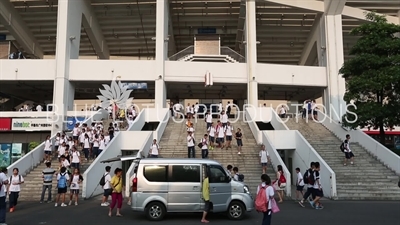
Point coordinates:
[[373, 75]]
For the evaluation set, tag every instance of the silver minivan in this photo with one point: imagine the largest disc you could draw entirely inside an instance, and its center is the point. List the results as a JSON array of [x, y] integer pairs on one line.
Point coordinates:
[[175, 185]]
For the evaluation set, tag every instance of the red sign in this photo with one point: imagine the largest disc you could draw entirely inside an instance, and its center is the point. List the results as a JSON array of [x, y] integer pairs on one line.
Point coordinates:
[[5, 124]]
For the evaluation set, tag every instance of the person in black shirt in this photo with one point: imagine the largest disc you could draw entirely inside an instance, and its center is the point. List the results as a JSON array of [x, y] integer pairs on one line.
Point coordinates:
[[239, 141], [111, 131], [228, 109]]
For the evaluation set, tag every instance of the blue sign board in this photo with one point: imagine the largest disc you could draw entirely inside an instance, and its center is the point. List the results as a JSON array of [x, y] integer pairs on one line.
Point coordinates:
[[135, 86], [71, 121], [207, 30]]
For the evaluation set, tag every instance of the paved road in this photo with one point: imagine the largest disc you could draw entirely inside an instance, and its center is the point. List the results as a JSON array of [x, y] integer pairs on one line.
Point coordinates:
[[90, 213]]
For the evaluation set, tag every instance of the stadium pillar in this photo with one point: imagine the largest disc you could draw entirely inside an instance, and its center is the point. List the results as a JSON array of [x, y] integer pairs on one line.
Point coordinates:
[[67, 47], [251, 53], [330, 55], [162, 27]]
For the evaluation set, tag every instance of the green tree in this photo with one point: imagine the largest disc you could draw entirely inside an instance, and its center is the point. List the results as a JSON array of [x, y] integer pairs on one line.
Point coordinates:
[[373, 76]]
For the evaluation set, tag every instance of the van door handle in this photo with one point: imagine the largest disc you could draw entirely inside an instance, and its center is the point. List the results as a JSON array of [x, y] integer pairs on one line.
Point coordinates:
[[214, 189], [195, 187]]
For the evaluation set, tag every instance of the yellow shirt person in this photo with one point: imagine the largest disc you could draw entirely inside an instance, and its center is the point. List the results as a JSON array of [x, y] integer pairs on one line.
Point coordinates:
[[116, 182], [206, 190]]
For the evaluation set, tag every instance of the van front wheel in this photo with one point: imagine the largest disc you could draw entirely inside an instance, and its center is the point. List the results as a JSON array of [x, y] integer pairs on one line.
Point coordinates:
[[155, 211], [236, 210]]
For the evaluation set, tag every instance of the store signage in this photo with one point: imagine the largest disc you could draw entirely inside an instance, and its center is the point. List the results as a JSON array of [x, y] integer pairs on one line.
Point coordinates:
[[5, 124], [31, 124]]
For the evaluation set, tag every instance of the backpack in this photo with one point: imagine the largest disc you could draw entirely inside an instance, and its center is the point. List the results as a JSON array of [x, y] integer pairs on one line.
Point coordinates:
[[103, 180], [240, 177], [62, 182], [19, 178], [306, 176], [342, 148], [310, 178], [261, 201], [282, 179]]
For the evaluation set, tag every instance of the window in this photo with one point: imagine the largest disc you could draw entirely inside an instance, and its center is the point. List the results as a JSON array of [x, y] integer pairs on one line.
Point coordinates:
[[186, 173], [155, 173], [217, 174]]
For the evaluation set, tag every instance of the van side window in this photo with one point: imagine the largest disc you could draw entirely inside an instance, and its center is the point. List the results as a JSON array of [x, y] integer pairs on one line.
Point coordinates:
[[186, 173], [155, 173], [217, 174]]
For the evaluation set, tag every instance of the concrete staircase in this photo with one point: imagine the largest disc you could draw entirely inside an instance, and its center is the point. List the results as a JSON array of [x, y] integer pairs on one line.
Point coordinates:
[[367, 179], [32, 187], [173, 145]]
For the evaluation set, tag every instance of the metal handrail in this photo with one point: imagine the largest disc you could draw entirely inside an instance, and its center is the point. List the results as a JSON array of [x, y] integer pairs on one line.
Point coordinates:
[[233, 54], [187, 51]]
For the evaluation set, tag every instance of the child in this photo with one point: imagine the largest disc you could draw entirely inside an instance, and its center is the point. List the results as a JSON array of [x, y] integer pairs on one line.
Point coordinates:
[[299, 184]]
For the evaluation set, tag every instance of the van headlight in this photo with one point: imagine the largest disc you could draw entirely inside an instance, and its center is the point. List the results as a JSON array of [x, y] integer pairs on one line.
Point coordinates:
[[246, 189]]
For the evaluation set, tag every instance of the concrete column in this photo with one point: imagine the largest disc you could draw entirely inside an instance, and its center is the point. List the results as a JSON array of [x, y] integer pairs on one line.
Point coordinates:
[[162, 20], [67, 47], [330, 54], [251, 53]]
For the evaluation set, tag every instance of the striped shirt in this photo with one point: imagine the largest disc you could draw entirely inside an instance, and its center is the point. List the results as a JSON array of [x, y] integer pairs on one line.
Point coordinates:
[[48, 176]]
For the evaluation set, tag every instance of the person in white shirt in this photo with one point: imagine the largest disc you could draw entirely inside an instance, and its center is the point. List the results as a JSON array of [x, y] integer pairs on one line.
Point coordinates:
[[107, 187], [220, 107], [208, 120], [299, 184], [188, 111], [264, 158], [61, 150], [62, 186], [75, 133], [282, 112], [347, 151], [47, 149], [75, 158], [154, 149], [14, 188], [177, 110], [204, 147], [211, 134], [190, 145], [64, 162], [3, 181], [196, 109], [269, 192], [224, 119], [221, 135], [102, 145], [228, 134], [39, 108], [57, 141], [86, 146], [76, 180], [82, 137], [96, 145]]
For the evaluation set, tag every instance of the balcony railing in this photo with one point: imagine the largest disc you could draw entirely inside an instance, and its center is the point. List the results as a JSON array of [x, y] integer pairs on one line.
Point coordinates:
[[233, 54], [187, 51]]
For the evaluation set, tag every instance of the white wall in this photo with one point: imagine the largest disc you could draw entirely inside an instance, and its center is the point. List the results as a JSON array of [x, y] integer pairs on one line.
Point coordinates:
[[303, 155], [277, 160], [102, 70], [291, 75], [27, 69], [383, 154], [179, 71]]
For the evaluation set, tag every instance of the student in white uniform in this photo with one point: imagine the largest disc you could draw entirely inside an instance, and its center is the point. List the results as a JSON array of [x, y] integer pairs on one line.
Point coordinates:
[[211, 134], [102, 145], [228, 134], [269, 191], [47, 149], [14, 188], [221, 135], [204, 146], [154, 149], [224, 119], [76, 180]]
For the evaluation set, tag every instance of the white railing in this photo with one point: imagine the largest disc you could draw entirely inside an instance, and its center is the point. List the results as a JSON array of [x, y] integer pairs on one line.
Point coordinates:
[[277, 160], [258, 135], [92, 175], [383, 154], [187, 51], [143, 152], [33, 158], [307, 154]]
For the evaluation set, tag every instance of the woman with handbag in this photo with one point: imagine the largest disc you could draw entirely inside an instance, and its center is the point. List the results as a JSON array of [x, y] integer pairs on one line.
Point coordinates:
[[280, 183], [116, 196]]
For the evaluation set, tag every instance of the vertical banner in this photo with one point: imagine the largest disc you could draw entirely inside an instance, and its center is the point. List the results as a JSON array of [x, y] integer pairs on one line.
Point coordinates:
[[208, 79], [5, 151], [16, 152]]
